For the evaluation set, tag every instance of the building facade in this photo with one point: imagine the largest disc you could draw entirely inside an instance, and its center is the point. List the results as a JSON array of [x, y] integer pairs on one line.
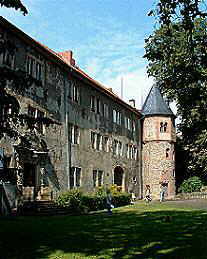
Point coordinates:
[[84, 135]]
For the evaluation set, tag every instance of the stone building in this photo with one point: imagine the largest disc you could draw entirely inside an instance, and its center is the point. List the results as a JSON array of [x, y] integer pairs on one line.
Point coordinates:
[[159, 138], [84, 135]]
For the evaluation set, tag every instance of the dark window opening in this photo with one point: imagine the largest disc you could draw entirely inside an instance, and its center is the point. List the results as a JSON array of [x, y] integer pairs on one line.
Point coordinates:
[[29, 175]]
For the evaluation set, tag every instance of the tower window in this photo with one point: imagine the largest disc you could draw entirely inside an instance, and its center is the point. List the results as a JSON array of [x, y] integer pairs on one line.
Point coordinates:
[[163, 127], [167, 153]]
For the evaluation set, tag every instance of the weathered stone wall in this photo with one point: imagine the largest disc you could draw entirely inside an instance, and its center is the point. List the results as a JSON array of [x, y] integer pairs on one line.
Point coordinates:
[[53, 96], [158, 155], [89, 159]]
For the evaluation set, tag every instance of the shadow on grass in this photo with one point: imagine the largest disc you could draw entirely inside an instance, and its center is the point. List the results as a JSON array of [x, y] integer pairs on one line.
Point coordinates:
[[128, 233]]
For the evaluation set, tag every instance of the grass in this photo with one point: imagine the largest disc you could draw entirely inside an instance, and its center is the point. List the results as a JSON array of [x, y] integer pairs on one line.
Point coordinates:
[[138, 231]]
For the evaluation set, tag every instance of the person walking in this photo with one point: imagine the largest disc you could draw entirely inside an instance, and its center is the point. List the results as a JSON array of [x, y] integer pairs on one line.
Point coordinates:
[[148, 197], [109, 205]]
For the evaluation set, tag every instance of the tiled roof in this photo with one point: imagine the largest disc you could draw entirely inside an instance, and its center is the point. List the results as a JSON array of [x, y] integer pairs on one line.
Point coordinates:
[[155, 104]]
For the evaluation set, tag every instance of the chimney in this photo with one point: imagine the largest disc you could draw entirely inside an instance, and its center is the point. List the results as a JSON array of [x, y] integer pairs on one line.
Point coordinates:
[[132, 102], [68, 57]]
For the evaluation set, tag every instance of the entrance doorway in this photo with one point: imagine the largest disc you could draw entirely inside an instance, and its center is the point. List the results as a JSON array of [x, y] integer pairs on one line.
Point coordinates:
[[119, 177], [29, 182], [29, 175]]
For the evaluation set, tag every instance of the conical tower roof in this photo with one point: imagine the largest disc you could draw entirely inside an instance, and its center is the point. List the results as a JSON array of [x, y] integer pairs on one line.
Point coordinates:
[[155, 104]]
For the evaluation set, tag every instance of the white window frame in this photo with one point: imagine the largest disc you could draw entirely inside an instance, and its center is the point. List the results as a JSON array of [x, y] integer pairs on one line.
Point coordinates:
[[97, 173], [76, 169], [74, 134]]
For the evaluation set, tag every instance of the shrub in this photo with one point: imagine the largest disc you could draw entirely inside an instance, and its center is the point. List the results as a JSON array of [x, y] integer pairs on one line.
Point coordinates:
[[72, 201], [121, 199], [193, 184], [77, 202]]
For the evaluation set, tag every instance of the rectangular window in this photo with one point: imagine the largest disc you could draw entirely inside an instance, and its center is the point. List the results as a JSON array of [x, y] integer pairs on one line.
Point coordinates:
[[120, 148], [40, 115], [100, 178], [37, 114], [98, 106], [115, 147], [30, 63], [93, 139], [128, 123], [94, 178], [38, 71], [8, 59], [127, 151], [98, 142], [1, 158], [74, 133], [75, 177], [131, 151], [114, 116], [106, 144], [93, 103], [76, 94], [135, 153], [97, 178], [117, 117], [105, 110], [133, 126]]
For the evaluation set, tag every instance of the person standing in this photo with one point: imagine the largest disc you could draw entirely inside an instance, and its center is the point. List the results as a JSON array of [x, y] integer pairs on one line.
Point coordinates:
[[163, 190], [148, 197]]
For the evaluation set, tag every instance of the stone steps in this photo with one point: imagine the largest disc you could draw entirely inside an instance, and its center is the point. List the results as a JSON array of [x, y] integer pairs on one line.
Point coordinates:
[[42, 208]]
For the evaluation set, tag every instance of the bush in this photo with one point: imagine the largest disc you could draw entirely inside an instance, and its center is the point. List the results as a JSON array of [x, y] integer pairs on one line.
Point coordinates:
[[77, 202], [71, 201], [193, 184]]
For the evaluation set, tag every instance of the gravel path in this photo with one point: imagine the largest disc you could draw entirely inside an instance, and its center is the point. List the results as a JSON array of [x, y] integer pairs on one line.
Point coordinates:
[[195, 203]]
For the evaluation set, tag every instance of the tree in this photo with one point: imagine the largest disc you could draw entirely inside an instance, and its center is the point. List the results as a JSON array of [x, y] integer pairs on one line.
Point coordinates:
[[17, 4], [177, 56]]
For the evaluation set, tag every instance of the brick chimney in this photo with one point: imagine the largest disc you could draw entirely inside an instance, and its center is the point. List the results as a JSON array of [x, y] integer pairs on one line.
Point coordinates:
[[132, 102], [68, 57]]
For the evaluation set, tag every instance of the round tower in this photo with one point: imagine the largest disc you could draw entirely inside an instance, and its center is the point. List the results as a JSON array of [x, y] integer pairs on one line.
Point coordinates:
[[158, 144]]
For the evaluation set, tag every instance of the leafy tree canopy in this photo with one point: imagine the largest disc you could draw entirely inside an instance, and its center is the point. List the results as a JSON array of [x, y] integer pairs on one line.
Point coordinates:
[[177, 55], [17, 4]]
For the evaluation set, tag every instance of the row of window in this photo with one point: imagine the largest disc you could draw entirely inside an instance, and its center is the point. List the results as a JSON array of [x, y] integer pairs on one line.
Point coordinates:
[[75, 177], [99, 107], [7, 59], [99, 142], [34, 67]]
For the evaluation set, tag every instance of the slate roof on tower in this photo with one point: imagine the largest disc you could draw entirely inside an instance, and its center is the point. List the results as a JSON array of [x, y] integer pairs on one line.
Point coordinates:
[[155, 104]]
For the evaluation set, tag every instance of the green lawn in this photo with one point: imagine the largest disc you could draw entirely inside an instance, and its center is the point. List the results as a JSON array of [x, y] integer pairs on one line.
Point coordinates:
[[138, 231]]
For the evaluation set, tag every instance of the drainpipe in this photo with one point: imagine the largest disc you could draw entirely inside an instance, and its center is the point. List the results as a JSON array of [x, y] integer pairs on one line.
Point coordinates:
[[68, 150]]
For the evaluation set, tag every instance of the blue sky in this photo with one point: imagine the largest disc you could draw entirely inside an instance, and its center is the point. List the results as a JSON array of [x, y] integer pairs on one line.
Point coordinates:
[[106, 37]]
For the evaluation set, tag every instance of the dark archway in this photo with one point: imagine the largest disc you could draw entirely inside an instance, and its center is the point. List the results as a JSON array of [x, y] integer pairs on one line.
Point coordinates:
[[118, 176]]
